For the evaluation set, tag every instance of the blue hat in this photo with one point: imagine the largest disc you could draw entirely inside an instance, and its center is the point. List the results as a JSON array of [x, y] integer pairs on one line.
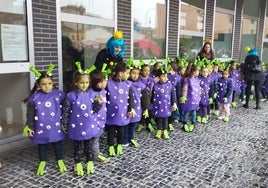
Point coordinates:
[[253, 52]]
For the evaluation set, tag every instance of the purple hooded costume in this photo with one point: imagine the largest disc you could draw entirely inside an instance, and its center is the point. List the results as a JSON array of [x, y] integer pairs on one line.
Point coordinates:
[[117, 102], [204, 85], [225, 89], [48, 116], [235, 75], [84, 123], [193, 94]]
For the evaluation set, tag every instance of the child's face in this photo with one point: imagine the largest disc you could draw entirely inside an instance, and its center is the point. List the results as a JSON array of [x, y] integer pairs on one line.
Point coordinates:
[[196, 73], [145, 71], [83, 83], [215, 68], [182, 71], [134, 74], [234, 66], [157, 65], [125, 74], [163, 78], [225, 74], [46, 85], [204, 72], [103, 84]]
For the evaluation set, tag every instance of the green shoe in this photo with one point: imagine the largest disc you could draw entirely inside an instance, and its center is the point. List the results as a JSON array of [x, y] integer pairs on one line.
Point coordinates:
[[216, 113], [90, 167], [204, 120], [139, 128], [234, 104], [186, 128], [111, 151], [176, 121], [79, 169], [191, 128], [150, 127], [102, 158], [41, 168], [226, 119], [198, 119], [251, 97], [62, 166], [158, 134], [119, 149], [165, 134], [171, 128], [135, 143], [153, 121]]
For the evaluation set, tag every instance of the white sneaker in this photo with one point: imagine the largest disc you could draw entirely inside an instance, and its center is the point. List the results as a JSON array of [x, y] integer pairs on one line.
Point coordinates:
[[220, 117]]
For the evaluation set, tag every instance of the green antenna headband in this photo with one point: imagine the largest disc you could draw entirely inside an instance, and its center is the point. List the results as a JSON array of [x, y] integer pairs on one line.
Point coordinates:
[[38, 74], [87, 71]]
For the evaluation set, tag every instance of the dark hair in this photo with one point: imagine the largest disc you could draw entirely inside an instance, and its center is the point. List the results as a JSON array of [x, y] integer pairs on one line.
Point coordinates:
[[120, 67], [77, 76], [203, 52], [33, 90], [191, 68], [96, 77], [174, 66]]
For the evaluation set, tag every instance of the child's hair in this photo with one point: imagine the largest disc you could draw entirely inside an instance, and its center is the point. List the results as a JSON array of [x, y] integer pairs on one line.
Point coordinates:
[[77, 76], [174, 66], [191, 68], [145, 65], [120, 67], [33, 90], [96, 77]]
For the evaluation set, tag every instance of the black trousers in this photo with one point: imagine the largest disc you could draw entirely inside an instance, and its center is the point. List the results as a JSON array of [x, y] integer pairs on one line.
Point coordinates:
[[115, 131], [257, 91], [57, 147]]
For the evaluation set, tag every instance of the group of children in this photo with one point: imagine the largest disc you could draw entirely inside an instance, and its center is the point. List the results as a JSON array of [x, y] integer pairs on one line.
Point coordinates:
[[120, 101]]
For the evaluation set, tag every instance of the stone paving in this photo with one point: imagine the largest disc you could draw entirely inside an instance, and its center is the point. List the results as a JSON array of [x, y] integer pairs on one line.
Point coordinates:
[[217, 154]]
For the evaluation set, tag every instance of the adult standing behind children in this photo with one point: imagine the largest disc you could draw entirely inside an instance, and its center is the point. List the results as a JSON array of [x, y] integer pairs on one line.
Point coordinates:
[[112, 53], [253, 75], [206, 51]]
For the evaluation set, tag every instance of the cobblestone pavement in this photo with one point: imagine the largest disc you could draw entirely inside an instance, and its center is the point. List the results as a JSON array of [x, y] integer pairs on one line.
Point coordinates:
[[217, 154]]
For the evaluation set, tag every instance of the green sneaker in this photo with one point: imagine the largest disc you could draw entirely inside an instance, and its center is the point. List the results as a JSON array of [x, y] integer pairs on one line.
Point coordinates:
[[135, 143], [90, 167], [152, 121], [204, 120], [139, 129], [119, 149], [165, 134], [111, 151], [216, 113], [251, 97], [150, 127], [41, 168], [234, 104], [103, 159], [158, 134], [198, 119], [186, 128], [62, 166], [171, 128], [191, 128], [226, 119], [176, 121], [79, 169]]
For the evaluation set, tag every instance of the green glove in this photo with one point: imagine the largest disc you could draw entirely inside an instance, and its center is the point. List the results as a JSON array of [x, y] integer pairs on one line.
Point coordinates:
[[64, 129], [133, 112], [210, 100], [146, 114], [175, 107], [225, 99], [215, 95], [183, 99], [26, 131]]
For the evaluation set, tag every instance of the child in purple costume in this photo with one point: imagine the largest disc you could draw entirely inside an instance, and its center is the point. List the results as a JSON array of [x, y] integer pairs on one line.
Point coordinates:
[[235, 76], [163, 103], [141, 103], [85, 116], [44, 120], [148, 81], [205, 100], [224, 95], [119, 107], [191, 96]]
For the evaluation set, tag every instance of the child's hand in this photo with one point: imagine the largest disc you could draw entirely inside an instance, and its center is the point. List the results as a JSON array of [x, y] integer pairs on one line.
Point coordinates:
[[174, 107], [132, 113], [210, 100], [100, 99], [225, 99], [27, 132], [146, 114], [183, 99]]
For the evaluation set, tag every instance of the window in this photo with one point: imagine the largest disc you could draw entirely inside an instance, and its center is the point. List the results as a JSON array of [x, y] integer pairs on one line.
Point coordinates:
[[86, 26], [149, 25], [265, 40], [191, 28], [249, 26], [13, 40], [223, 30]]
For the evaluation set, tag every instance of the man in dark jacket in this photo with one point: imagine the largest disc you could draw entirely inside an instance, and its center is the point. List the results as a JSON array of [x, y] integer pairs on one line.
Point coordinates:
[[253, 75]]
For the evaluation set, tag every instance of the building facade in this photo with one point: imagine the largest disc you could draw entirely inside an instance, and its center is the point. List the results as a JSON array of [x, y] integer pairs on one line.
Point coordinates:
[[39, 32]]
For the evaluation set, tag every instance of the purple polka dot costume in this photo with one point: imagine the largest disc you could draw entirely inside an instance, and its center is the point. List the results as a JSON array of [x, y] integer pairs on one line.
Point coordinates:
[[48, 116], [193, 94], [162, 106], [117, 102], [205, 86], [174, 78], [84, 123], [148, 82], [137, 88], [225, 89], [235, 75]]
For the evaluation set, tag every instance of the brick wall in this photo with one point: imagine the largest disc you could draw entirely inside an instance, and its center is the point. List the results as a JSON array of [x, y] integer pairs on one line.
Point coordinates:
[[45, 35], [124, 23]]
